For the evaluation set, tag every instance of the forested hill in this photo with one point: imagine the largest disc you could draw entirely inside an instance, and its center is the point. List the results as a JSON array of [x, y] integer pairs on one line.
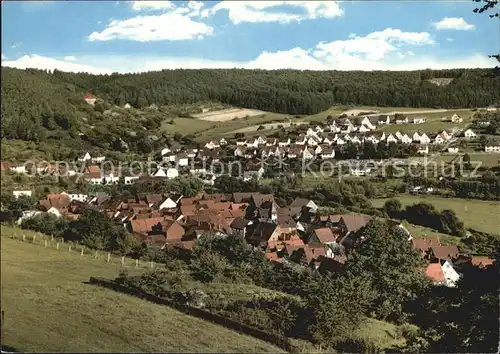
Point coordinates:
[[37, 105], [285, 91]]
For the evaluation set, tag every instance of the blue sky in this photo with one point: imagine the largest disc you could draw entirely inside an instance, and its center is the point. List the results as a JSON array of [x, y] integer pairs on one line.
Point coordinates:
[[107, 36]]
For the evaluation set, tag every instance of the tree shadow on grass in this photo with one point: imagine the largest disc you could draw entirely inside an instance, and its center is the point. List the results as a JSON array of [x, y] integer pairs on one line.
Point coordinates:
[[8, 349]]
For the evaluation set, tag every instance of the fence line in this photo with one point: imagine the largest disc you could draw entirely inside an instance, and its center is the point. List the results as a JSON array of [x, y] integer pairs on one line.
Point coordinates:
[[106, 257]]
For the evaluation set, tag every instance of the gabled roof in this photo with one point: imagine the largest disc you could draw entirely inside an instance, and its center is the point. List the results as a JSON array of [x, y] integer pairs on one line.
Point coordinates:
[[325, 235], [144, 225], [355, 222], [482, 261], [445, 252], [434, 271]]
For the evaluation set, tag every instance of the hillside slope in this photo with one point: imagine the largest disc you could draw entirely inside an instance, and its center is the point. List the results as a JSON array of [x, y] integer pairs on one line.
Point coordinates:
[[48, 307]]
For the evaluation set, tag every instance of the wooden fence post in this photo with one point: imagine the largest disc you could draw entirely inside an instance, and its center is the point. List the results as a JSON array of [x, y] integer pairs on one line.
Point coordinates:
[[109, 257], [52, 237], [96, 254], [57, 246], [45, 243], [123, 260], [69, 248], [81, 252], [136, 263], [34, 238], [24, 237]]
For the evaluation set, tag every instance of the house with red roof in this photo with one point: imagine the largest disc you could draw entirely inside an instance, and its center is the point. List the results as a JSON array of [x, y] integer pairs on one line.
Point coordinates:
[[90, 98]]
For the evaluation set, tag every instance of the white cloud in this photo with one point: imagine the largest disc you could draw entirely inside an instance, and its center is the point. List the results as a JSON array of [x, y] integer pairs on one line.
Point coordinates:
[[453, 23], [15, 45], [168, 26], [4, 57], [152, 5], [259, 11], [390, 49], [449, 39], [40, 62], [373, 47], [69, 58]]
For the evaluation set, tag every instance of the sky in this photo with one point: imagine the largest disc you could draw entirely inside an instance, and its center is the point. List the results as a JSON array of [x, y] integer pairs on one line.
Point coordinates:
[[137, 36]]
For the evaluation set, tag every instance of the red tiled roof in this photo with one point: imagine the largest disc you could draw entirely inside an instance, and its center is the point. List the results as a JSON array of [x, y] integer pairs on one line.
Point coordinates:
[[482, 261], [144, 225], [435, 272], [325, 235], [445, 252]]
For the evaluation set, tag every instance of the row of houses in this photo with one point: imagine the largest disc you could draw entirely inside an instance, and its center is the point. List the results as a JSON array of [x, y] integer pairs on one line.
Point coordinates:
[[292, 235]]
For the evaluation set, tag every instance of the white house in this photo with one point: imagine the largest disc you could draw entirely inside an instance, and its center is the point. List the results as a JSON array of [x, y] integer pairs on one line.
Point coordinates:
[[416, 137], [18, 194], [405, 139], [222, 142], [312, 141], [450, 274], [79, 197], [363, 129], [54, 211], [165, 151], [456, 118], [492, 148], [127, 106], [469, 134], [360, 171], [453, 150], [168, 203], [85, 157], [241, 143], [418, 120], [182, 160], [284, 143], [90, 99], [159, 173], [355, 140], [261, 140], [308, 154], [439, 139], [172, 173], [319, 129], [301, 140], [27, 214], [98, 159], [423, 149], [424, 139], [391, 139], [311, 132], [111, 179], [130, 179], [212, 144], [402, 120], [366, 122], [384, 120], [328, 153]]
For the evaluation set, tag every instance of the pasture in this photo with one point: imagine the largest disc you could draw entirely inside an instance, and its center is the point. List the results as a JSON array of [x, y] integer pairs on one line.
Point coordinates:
[[476, 214], [228, 114], [48, 307]]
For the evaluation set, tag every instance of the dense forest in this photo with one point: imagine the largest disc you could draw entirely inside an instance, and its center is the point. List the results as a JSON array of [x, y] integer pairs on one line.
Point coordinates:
[[39, 105]]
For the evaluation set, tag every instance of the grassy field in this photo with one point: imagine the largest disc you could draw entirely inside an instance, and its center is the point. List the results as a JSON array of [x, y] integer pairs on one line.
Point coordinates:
[[434, 123], [487, 160], [48, 307], [382, 334], [476, 214]]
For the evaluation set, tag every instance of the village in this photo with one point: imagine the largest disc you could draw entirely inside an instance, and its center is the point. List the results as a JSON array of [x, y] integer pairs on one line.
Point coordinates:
[[295, 235], [327, 141]]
